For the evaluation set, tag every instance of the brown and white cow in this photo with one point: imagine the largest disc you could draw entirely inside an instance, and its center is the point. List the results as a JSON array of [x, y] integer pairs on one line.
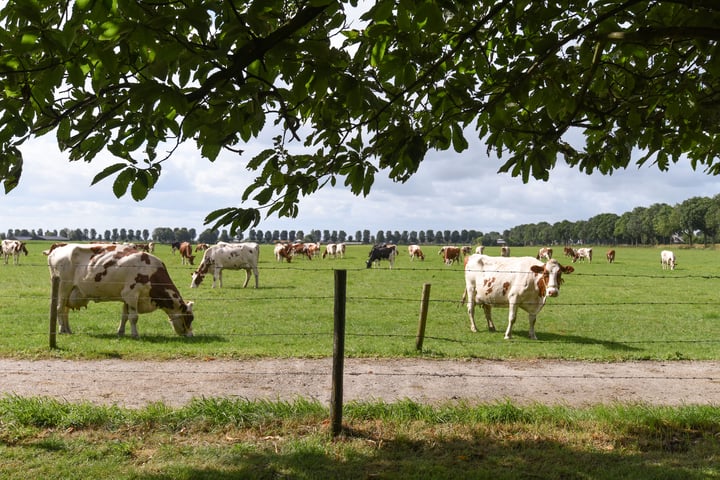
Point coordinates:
[[569, 252], [544, 253], [466, 250], [415, 252], [117, 273], [610, 255], [232, 256], [299, 248], [504, 251], [667, 259], [518, 282], [186, 253], [340, 249], [450, 254], [14, 248], [480, 249], [201, 247], [330, 250], [313, 249], [582, 254], [283, 251]]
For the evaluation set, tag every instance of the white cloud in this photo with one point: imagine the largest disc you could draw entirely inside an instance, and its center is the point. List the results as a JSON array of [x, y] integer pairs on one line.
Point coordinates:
[[449, 191]]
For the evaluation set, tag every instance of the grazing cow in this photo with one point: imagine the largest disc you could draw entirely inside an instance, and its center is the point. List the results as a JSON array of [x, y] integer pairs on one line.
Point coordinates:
[[480, 249], [112, 273], [450, 255], [283, 251], [175, 246], [569, 252], [299, 248], [667, 259], [582, 254], [186, 253], [201, 247], [14, 248], [521, 282], [415, 252], [330, 249], [233, 256], [610, 255], [340, 250], [544, 253], [466, 250], [313, 249], [382, 252], [504, 251]]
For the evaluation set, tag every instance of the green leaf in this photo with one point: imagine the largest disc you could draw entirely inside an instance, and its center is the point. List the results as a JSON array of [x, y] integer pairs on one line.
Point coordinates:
[[114, 168], [122, 181]]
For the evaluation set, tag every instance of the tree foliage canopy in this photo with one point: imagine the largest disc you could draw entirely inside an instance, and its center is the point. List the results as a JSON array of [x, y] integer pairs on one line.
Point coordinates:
[[350, 99]]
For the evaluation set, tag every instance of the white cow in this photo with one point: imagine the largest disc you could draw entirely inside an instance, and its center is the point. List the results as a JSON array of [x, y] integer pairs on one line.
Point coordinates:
[[233, 256], [14, 248], [340, 250], [517, 282], [667, 259], [480, 249], [117, 273], [415, 252], [582, 254], [330, 250]]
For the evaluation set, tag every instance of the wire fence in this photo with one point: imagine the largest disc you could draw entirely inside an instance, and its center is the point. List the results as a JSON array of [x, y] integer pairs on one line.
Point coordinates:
[[30, 306]]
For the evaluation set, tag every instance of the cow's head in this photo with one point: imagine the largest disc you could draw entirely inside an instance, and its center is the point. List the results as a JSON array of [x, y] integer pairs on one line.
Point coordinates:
[[550, 277], [182, 321], [199, 275]]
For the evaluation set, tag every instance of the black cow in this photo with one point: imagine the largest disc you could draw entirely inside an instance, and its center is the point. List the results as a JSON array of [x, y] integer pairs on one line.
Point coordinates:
[[382, 252], [175, 246]]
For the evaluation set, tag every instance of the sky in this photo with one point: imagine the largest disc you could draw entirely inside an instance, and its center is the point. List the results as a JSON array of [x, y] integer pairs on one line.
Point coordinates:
[[450, 191]]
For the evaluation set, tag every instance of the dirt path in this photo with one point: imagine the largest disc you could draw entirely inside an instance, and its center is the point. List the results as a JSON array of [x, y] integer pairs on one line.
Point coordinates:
[[135, 384]]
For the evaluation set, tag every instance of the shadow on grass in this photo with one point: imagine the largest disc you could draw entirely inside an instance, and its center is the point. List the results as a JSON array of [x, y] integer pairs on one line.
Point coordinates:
[[473, 456], [163, 339], [576, 339]]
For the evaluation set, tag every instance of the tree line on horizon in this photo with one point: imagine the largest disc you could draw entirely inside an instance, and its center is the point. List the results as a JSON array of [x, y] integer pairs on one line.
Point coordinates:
[[688, 221]]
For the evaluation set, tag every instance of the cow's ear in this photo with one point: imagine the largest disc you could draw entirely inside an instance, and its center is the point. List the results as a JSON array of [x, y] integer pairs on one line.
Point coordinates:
[[568, 269], [537, 269]]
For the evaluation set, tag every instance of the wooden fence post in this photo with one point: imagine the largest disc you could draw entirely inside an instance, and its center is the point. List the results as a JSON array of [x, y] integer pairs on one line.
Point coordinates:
[[53, 311], [336, 401], [423, 316]]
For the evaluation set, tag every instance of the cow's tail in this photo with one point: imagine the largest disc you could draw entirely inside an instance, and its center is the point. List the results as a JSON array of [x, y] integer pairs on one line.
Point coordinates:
[[464, 298]]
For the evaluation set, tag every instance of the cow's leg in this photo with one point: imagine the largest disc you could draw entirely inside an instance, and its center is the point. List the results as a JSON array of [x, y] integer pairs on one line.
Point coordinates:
[[512, 314], [256, 273], [488, 316], [531, 331], [470, 292], [63, 318], [247, 277], [133, 317], [123, 320]]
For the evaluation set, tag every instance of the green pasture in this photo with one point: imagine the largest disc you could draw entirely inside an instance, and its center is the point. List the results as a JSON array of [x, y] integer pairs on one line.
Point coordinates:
[[631, 309]]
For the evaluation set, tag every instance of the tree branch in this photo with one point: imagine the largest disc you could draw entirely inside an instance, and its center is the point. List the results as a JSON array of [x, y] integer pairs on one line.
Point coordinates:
[[256, 49]]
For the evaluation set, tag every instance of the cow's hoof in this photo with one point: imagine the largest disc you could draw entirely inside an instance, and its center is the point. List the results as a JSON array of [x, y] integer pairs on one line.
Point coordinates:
[[491, 329]]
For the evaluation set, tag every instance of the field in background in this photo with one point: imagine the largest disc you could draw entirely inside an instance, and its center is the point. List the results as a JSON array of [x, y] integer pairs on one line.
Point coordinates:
[[628, 310]]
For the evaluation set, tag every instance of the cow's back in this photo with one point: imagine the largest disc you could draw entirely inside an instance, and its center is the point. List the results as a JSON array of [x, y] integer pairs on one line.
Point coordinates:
[[235, 255]]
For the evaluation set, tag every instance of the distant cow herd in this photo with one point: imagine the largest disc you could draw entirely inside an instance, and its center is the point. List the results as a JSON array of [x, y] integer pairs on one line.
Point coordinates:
[[132, 275]]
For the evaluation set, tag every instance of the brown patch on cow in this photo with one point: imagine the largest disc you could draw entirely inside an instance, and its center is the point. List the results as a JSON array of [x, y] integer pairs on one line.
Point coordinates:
[[506, 288], [488, 285]]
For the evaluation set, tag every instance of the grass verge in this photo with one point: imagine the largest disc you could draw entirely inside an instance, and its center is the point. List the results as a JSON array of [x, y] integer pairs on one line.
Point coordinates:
[[223, 438]]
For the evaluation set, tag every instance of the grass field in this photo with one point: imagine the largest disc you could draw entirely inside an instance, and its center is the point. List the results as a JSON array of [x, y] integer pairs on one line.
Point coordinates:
[[631, 309], [628, 310]]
